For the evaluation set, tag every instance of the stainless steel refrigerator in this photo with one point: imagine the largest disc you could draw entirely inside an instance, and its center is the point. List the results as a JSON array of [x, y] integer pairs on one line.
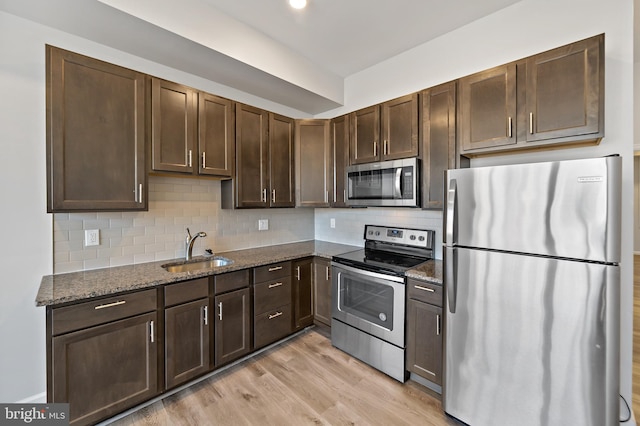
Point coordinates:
[[532, 281]]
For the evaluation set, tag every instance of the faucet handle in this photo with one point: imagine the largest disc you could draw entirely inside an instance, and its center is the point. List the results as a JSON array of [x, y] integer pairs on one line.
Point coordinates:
[[188, 233]]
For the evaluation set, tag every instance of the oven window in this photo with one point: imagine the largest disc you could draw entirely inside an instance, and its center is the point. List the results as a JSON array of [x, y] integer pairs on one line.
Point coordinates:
[[370, 301]]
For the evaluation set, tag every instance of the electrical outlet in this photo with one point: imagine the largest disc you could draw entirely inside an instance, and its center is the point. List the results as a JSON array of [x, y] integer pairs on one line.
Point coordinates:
[[332, 222], [91, 237], [263, 224]]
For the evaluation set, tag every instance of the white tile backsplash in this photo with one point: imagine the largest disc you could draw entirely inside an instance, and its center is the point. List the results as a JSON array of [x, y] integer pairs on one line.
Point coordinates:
[[177, 203], [159, 234], [350, 223]]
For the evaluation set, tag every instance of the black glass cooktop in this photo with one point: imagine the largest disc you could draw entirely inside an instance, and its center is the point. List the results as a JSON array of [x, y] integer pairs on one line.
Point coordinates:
[[380, 261]]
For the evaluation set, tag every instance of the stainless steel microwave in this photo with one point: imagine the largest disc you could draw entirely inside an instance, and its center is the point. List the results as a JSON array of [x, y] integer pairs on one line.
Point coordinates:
[[393, 183]]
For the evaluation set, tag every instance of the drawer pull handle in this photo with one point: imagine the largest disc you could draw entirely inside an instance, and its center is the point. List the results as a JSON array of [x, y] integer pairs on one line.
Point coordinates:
[[275, 285], [276, 315], [275, 268], [110, 305], [419, 287]]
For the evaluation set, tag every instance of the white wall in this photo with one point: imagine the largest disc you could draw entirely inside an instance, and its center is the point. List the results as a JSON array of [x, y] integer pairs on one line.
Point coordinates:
[[526, 28]]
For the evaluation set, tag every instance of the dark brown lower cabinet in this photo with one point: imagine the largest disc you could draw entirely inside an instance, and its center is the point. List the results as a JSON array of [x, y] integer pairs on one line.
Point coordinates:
[[424, 340], [232, 326], [272, 325], [186, 341], [302, 293], [103, 370], [322, 291]]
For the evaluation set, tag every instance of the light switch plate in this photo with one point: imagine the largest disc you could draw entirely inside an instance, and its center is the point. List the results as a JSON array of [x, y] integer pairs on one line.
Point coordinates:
[[332, 222], [263, 224], [91, 237]]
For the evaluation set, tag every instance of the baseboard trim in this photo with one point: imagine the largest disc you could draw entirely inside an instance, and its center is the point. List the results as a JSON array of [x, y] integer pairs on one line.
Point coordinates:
[[34, 399]]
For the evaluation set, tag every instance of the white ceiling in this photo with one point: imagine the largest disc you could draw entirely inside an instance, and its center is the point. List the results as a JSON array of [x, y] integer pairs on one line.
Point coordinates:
[[263, 47]]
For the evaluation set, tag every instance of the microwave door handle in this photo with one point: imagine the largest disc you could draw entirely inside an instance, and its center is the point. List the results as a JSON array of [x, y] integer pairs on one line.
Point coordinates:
[[398, 183]]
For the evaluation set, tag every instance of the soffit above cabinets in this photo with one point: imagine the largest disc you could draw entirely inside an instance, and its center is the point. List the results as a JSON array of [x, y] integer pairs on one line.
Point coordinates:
[[298, 59]]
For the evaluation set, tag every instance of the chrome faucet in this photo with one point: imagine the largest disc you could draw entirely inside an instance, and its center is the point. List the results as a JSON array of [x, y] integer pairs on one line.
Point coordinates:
[[189, 243]]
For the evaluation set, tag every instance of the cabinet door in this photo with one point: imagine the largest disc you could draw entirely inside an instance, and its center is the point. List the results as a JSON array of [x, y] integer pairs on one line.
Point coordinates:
[[302, 293], [313, 163], [173, 118], [340, 159], [488, 108], [438, 141], [424, 340], [281, 161], [565, 91], [322, 291], [400, 128], [365, 135], [186, 341], [232, 326], [95, 135], [252, 156], [106, 369], [216, 136]]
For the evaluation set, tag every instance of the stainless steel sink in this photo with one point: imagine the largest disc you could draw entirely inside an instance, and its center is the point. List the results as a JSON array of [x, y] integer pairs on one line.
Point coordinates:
[[215, 262]]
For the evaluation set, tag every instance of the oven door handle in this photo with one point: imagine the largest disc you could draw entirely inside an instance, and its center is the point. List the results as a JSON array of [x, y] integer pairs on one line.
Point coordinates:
[[368, 273]]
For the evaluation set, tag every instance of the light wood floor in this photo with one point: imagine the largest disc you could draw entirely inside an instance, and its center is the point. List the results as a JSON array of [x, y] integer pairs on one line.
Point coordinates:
[[304, 381], [636, 337]]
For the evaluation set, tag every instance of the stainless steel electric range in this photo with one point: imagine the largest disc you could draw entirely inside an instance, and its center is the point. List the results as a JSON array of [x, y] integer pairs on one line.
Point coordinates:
[[368, 316]]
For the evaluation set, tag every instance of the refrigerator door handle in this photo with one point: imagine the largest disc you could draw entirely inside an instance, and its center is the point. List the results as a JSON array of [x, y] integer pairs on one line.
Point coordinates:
[[452, 204], [450, 277]]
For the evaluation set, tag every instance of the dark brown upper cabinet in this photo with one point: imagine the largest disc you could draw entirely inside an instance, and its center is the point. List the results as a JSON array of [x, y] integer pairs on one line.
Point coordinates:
[[313, 163], [488, 108], [565, 92], [387, 131], [264, 161], [95, 135], [365, 135], [281, 173], [438, 139], [216, 136], [174, 122], [192, 132], [339, 159], [550, 99]]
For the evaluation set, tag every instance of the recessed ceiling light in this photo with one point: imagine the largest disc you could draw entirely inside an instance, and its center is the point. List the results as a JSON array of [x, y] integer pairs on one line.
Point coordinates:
[[298, 4]]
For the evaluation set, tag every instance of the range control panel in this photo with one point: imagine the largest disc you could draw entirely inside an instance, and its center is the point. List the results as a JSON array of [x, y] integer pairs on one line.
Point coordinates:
[[405, 236]]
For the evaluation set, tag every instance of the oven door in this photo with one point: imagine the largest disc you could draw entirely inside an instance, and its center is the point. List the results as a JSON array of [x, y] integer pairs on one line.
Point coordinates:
[[369, 301]]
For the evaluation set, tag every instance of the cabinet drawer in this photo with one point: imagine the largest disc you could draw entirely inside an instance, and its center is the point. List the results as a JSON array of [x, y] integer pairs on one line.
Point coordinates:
[[271, 326], [187, 291], [100, 311], [425, 292], [230, 281], [268, 296], [271, 272]]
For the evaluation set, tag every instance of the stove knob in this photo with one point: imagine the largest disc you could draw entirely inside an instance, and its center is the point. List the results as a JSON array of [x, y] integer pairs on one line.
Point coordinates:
[[412, 237], [421, 238], [370, 232], [377, 233]]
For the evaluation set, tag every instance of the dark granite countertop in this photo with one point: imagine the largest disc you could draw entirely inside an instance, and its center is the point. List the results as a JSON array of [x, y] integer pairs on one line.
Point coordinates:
[[75, 286], [430, 271]]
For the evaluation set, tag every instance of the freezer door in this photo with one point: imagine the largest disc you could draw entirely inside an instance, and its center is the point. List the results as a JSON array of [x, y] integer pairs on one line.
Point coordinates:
[[565, 209], [533, 341]]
